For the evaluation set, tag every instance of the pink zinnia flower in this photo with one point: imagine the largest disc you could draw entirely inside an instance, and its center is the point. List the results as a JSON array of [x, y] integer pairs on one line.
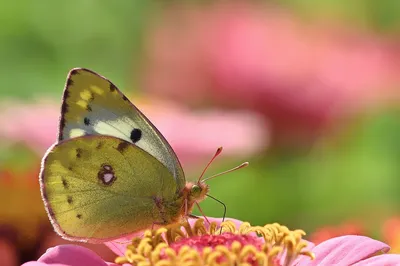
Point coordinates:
[[238, 243], [300, 76]]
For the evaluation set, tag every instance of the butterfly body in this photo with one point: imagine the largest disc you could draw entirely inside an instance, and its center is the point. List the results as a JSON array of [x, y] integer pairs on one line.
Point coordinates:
[[111, 173]]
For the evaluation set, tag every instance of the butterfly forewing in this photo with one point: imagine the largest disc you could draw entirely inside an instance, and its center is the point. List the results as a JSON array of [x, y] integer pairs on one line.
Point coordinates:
[[98, 188], [92, 105]]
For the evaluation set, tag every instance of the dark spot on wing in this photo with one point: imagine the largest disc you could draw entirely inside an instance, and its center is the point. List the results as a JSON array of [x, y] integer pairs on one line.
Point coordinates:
[[124, 98], [79, 216], [66, 94], [160, 205], [74, 72], [70, 168], [64, 110], [106, 174], [65, 183], [91, 97], [69, 199], [112, 87], [64, 107], [70, 82], [50, 210], [99, 145], [122, 146], [62, 125], [78, 153], [45, 198], [86, 121], [136, 135]]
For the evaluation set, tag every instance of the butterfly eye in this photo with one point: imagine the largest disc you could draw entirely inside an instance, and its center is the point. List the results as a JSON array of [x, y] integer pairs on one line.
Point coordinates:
[[195, 191]]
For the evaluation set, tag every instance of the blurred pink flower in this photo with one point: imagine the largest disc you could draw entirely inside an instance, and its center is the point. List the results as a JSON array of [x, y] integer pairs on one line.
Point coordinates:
[[191, 134], [391, 233], [244, 55], [351, 227], [34, 124]]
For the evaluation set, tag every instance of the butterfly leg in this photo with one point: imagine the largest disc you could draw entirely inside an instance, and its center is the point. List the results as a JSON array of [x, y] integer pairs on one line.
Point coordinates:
[[193, 216], [156, 224], [186, 212], [205, 217]]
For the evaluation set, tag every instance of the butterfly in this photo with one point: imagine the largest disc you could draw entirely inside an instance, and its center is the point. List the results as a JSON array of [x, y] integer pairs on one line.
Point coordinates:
[[111, 173]]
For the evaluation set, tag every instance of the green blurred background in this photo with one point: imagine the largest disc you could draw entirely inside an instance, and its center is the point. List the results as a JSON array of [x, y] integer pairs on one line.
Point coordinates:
[[320, 79]]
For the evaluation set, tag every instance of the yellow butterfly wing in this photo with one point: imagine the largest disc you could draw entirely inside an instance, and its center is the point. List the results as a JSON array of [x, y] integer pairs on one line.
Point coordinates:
[[92, 105], [98, 188]]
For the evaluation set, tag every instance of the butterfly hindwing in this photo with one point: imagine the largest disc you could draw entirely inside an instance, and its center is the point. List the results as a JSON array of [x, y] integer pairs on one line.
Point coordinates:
[[92, 105], [98, 188]]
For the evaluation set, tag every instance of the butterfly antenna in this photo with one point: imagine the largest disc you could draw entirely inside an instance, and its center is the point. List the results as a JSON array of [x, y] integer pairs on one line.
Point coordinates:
[[223, 204], [218, 152], [243, 165]]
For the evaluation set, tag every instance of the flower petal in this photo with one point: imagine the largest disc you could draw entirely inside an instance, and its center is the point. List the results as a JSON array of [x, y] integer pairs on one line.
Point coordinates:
[[37, 263], [386, 259], [118, 246], [71, 255], [345, 250]]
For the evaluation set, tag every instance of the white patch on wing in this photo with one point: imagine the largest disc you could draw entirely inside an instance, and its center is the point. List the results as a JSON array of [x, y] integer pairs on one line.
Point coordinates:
[[76, 132], [114, 128], [122, 128]]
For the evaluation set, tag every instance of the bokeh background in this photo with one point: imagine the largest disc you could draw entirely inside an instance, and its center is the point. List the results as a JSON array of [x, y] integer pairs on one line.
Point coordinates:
[[308, 92]]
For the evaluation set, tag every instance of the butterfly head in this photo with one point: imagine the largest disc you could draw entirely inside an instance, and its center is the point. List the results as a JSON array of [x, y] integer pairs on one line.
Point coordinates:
[[198, 191]]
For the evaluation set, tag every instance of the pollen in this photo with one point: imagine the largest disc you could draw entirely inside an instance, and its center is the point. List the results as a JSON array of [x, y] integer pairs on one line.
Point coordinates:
[[227, 244]]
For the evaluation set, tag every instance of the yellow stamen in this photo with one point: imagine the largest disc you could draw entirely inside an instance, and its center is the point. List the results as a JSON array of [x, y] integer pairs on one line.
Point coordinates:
[[159, 248]]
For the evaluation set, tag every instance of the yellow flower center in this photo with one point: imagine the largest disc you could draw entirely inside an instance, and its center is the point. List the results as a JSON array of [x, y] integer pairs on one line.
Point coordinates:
[[183, 244]]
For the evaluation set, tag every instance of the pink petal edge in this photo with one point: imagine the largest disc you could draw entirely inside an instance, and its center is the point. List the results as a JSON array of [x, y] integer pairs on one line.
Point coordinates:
[[385, 259], [71, 255], [345, 250], [37, 263]]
